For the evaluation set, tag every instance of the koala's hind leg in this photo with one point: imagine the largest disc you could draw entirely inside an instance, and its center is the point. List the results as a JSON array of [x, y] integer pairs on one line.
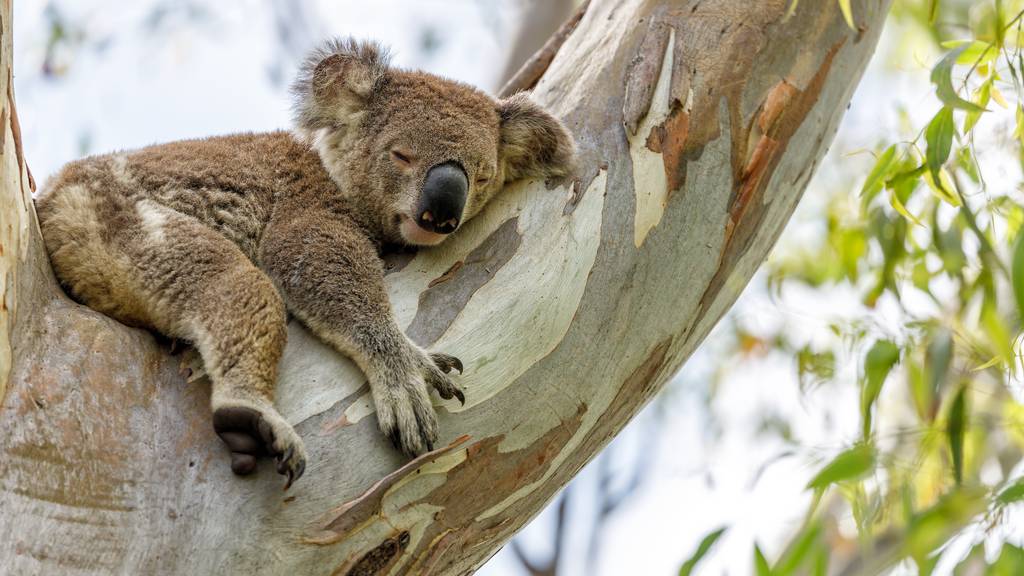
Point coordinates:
[[236, 318], [164, 270]]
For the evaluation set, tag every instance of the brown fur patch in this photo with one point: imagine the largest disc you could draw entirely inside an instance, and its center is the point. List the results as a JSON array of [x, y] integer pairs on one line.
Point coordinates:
[[208, 240]]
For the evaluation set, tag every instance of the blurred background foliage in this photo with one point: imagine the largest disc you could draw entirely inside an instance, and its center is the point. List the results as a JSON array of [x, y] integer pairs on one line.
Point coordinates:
[[859, 411], [928, 239]]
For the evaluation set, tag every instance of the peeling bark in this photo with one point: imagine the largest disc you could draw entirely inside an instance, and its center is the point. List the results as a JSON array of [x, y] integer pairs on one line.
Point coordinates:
[[699, 125]]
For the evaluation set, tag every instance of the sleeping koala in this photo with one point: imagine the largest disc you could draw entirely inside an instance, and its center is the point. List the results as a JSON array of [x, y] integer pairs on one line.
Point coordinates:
[[212, 240]]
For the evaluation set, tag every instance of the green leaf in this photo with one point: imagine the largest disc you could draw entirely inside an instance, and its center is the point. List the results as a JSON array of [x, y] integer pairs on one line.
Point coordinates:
[[942, 77], [932, 528], [844, 5], [975, 51], [894, 201], [879, 361], [1012, 493], [820, 567], [943, 188], [1017, 271], [955, 429], [798, 551], [938, 358], [981, 97], [880, 173], [997, 359], [1018, 132], [939, 136], [849, 465], [814, 367], [761, 566], [702, 549], [997, 334]]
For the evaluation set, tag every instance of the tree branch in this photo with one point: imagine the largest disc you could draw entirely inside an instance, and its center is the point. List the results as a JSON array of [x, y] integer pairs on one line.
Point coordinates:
[[530, 72], [698, 126]]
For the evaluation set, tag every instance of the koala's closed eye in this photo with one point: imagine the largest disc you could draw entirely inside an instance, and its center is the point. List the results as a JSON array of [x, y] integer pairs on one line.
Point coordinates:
[[402, 158]]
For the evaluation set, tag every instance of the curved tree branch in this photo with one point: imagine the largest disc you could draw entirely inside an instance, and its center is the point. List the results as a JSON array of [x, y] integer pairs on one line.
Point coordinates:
[[699, 125]]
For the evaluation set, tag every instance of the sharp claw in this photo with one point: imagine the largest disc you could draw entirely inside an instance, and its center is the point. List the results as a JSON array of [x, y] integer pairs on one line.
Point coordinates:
[[430, 446], [457, 364], [291, 478], [282, 462], [460, 396], [300, 469]]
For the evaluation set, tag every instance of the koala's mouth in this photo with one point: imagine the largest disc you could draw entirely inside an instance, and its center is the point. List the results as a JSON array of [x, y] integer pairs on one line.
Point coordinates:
[[416, 235]]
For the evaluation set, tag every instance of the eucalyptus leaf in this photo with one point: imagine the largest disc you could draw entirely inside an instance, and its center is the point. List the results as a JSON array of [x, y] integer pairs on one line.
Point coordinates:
[[849, 465], [879, 361], [1012, 493], [955, 429], [942, 77], [761, 566], [1017, 271], [844, 5], [939, 137], [702, 549], [879, 173]]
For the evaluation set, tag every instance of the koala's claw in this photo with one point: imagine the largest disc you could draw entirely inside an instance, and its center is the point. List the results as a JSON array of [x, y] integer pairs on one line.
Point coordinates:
[[438, 379], [249, 435], [446, 362]]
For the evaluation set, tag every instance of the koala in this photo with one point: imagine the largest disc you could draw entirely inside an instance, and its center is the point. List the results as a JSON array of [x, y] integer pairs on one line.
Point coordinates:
[[215, 241]]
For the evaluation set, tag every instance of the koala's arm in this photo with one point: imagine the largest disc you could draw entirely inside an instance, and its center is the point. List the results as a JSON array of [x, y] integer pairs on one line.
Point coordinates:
[[333, 281]]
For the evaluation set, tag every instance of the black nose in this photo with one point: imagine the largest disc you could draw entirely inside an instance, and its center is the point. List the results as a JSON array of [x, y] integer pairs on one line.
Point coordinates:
[[443, 198]]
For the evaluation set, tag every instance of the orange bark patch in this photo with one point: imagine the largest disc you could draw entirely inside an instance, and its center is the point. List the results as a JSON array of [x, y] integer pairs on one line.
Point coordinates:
[[669, 139], [777, 119]]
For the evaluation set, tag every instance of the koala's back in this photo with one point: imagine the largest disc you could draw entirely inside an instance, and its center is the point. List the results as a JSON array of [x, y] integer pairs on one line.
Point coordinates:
[[116, 225]]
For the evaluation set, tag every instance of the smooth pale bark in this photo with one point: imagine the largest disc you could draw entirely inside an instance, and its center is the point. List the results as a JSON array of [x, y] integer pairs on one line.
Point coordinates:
[[699, 125]]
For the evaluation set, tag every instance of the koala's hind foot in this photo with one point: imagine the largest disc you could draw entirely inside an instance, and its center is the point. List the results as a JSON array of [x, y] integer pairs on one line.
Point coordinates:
[[250, 433], [400, 392], [152, 266]]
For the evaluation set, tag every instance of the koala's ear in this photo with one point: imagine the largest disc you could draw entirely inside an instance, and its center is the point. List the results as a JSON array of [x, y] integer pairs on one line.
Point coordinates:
[[336, 81], [534, 144]]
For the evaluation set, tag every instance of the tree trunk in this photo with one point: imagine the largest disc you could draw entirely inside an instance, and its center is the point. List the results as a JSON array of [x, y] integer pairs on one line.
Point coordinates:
[[699, 124]]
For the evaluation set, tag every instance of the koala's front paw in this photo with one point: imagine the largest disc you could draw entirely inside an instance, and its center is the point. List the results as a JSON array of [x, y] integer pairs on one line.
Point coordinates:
[[250, 432], [404, 411]]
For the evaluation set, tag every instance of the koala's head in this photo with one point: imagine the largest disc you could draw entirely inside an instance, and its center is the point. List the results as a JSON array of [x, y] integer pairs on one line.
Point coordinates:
[[424, 153]]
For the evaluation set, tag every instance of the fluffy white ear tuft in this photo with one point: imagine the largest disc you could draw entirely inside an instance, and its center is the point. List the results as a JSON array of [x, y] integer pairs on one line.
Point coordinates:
[[336, 81]]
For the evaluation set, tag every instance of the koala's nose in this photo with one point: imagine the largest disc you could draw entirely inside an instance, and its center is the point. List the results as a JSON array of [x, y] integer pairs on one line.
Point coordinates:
[[443, 198]]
